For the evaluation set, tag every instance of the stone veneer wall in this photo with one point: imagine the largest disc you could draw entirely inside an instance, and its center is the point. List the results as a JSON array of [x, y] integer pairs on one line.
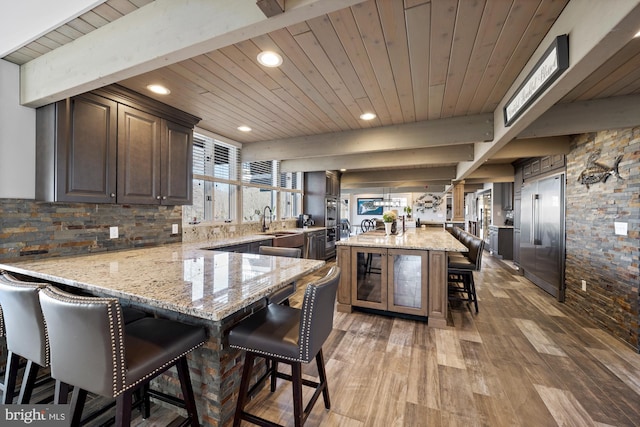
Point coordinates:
[[30, 229], [207, 232], [608, 262]]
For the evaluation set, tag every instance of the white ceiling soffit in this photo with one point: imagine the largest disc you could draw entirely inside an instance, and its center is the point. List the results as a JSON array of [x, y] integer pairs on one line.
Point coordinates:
[[432, 133], [137, 43], [25, 20]]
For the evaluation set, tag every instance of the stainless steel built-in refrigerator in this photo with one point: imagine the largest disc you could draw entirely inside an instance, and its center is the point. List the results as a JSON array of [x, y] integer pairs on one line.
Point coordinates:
[[542, 233]]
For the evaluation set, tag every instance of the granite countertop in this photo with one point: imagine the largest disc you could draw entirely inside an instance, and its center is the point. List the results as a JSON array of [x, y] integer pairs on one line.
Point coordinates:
[[181, 277], [250, 238], [413, 238]]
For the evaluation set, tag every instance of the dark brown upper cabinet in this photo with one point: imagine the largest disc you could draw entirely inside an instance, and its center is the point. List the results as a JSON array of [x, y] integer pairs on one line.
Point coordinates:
[[114, 146]]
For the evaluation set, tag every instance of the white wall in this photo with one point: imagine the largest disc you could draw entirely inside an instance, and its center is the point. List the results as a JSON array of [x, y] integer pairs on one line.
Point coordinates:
[[17, 138]]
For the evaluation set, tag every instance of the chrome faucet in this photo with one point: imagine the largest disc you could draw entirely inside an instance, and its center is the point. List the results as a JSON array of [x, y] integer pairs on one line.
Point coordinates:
[[264, 218]]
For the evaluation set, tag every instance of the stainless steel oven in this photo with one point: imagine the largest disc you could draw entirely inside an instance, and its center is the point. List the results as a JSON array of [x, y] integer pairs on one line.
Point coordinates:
[[331, 222], [330, 242]]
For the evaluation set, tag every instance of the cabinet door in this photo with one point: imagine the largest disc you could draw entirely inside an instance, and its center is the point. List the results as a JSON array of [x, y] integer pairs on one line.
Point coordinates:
[[177, 165], [407, 281], [87, 143], [369, 273], [139, 142]]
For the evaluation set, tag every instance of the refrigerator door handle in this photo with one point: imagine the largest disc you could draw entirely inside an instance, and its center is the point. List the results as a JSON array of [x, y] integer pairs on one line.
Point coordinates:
[[535, 227]]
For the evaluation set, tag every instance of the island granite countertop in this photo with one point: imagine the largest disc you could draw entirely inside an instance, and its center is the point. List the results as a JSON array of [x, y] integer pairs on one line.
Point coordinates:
[[182, 277], [412, 238]]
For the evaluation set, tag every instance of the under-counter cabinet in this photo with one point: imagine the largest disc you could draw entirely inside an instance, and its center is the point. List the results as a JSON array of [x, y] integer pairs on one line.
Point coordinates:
[[114, 146], [392, 280]]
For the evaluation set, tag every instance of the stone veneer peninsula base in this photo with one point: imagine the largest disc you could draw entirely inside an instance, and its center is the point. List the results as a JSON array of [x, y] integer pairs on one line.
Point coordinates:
[[403, 274]]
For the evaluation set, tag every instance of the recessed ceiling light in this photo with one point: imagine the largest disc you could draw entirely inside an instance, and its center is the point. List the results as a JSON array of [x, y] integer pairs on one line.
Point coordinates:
[[244, 128], [159, 89], [343, 170], [367, 116], [269, 59]]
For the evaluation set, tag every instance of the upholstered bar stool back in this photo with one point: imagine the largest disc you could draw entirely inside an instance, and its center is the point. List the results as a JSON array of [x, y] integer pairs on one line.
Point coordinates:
[[289, 335], [281, 296], [26, 334], [93, 350]]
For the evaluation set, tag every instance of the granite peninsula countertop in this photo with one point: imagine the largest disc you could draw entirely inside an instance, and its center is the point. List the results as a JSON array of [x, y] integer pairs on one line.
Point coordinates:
[[182, 277], [413, 238], [250, 238]]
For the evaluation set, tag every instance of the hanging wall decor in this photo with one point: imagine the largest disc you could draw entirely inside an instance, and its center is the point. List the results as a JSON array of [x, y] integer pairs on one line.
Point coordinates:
[[597, 172]]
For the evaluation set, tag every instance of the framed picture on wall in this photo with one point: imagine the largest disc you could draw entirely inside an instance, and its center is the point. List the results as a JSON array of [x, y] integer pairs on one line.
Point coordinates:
[[367, 206]]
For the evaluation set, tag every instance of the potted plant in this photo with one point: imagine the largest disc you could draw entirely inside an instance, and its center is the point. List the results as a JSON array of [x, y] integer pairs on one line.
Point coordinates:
[[388, 218], [407, 210]]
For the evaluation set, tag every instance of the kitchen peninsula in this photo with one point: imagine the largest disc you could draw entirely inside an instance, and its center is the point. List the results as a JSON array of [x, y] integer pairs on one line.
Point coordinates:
[[404, 273], [187, 282]]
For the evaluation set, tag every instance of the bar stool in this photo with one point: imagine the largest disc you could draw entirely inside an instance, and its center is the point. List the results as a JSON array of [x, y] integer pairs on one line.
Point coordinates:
[[292, 336], [461, 286], [281, 296], [25, 333], [94, 351]]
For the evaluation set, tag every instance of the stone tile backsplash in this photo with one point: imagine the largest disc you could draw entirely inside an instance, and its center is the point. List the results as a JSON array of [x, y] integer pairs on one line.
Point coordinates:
[[31, 229]]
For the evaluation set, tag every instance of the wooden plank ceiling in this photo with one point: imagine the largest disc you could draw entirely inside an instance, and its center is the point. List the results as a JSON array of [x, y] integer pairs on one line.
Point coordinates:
[[407, 61]]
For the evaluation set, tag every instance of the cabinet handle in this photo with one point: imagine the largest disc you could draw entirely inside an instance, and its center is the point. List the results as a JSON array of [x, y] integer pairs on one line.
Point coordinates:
[[112, 195], [164, 197], [157, 197]]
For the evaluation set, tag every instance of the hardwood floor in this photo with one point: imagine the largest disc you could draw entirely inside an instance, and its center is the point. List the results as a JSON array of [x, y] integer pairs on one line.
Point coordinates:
[[523, 360]]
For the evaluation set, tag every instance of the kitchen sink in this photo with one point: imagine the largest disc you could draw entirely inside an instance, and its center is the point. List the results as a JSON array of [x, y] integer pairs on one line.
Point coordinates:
[[287, 239]]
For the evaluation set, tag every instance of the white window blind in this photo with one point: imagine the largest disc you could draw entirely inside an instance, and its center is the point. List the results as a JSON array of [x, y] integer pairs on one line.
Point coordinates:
[[215, 159]]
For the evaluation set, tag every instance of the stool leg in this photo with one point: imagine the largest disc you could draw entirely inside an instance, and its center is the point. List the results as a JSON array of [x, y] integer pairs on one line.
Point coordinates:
[[244, 388], [10, 377], [472, 285], [146, 398], [61, 393], [323, 380], [123, 408], [77, 405], [274, 374], [28, 382], [187, 391], [296, 376]]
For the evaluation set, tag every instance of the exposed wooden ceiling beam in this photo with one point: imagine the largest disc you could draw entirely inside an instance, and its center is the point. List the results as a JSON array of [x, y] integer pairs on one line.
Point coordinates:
[[271, 7], [432, 188], [396, 175], [398, 158], [587, 116], [534, 147], [152, 37], [596, 33], [433, 133], [490, 173]]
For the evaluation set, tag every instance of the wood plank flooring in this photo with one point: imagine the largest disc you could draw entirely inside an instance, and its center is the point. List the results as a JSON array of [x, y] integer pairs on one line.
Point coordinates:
[[523, 360]]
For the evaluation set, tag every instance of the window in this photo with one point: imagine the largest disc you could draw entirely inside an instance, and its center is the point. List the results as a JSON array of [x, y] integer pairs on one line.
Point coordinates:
[[264, 185], [220, 181], [215, 181]]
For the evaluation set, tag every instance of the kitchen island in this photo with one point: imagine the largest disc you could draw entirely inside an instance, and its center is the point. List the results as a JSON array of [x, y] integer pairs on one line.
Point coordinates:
[[404, 273], [187, 283]]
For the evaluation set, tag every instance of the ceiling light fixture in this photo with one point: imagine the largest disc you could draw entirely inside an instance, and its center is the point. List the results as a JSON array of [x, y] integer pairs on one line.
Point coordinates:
[[159, 89], [269, 59], [367, 116], [244, 128], [637, 35]]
